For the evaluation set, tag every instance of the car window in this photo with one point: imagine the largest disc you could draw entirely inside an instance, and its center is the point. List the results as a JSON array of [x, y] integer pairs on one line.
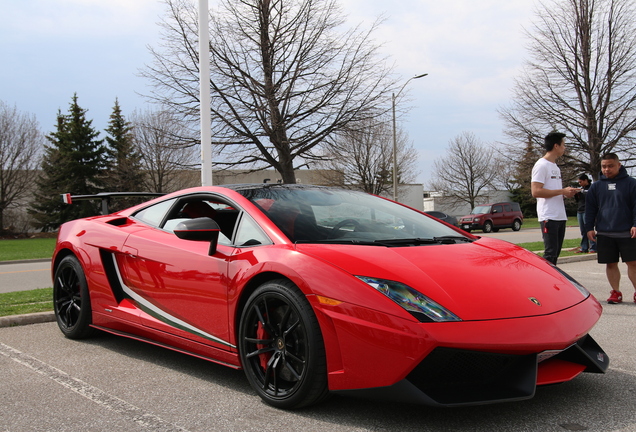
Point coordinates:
[[497, 209], [507, 207], [249, 233], [330, 216], [197, 206], [154, 214], [481, 210], [324, 215]]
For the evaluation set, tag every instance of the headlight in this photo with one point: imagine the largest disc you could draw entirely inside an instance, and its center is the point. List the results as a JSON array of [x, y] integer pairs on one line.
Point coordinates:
[[415, 303], [476, 219], [573, 281]]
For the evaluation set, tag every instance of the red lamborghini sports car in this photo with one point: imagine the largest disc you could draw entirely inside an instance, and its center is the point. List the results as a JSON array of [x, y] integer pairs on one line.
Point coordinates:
[[314, 290]]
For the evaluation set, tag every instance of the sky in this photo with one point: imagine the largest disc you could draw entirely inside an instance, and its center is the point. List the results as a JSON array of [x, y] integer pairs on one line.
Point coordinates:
[[471, 50]]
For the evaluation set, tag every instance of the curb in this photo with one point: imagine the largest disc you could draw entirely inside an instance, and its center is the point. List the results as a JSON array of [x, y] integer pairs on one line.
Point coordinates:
[[32, 318], [574, 258], [26, 261], [577, 258]]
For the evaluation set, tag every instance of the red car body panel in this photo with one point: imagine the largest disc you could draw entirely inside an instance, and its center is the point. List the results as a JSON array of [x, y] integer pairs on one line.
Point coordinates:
[[513, 278], [369, 341]]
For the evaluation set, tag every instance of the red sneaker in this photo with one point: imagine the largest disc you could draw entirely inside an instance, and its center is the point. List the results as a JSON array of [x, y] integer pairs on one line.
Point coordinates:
[[616, 297]]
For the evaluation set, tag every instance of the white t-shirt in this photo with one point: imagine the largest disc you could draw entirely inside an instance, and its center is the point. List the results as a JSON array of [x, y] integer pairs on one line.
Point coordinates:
[[549, 174]]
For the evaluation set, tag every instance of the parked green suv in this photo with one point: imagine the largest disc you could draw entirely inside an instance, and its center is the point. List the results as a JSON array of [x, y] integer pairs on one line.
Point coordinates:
[[493, 217]]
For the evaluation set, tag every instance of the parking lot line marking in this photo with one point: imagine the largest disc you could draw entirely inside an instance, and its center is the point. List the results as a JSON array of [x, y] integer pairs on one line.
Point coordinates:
[[90, 392]]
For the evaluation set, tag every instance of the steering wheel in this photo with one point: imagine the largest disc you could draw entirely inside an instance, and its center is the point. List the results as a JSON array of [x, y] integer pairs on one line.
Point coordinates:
[[342, 223]]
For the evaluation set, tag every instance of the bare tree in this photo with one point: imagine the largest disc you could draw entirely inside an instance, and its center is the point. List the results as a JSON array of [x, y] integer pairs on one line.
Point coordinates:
[[364, 156], [20, 144], [467, 172], [581, 80], [285, 78], [166, 157]]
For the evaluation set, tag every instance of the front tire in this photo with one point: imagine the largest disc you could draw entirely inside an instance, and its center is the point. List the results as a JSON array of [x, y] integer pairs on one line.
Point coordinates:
[[281, 347], [487, 227], [71, 300]]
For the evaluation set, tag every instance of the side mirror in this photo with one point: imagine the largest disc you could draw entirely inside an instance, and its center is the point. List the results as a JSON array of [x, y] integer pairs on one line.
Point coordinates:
[[199, 229]]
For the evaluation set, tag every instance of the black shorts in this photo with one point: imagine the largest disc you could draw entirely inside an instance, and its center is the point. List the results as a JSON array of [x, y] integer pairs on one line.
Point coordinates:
[[609, 248]]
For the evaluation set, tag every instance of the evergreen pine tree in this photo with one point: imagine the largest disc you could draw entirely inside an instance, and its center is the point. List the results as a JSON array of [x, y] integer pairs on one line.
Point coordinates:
[[123, 159], [73, 163], [522, 193], [124, 162]]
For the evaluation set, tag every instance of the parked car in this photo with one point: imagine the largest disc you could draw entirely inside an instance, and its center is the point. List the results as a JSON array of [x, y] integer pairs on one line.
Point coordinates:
[[316, 290], [443, 217], [493, 217]]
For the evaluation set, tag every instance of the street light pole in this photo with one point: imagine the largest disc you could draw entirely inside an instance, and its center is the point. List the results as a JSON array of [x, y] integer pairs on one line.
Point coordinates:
[[204, 94], [394, 96]]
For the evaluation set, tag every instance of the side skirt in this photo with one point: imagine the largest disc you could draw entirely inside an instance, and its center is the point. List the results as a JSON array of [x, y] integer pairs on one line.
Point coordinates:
[[163, 345]]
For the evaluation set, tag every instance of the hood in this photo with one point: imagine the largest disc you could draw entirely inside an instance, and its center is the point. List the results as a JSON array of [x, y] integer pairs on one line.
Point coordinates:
[[473, 216], [484, 280]]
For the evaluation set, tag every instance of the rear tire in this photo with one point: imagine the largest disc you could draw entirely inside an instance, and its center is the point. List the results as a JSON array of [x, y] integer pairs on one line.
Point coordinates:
[[281, 347], [71, 300], [516, 225]]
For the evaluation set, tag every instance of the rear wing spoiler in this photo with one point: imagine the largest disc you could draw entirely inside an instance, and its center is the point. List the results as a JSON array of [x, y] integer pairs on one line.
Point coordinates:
[[105, 197]]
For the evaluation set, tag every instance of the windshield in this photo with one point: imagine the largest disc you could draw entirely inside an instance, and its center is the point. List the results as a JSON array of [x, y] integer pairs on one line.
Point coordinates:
[[481, 210], [329, 215]]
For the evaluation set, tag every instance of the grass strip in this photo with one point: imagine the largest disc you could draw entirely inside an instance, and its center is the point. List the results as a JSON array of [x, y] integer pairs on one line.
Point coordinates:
[[538, 245], [534, 222], [566, 250], [23, 302], [22, 249]]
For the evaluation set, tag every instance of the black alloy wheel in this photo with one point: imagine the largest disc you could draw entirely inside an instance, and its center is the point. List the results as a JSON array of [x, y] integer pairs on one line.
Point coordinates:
[[71, 300], [281, 347]]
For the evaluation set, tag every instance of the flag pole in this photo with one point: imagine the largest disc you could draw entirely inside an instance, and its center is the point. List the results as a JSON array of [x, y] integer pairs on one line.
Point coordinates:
[[204, 94]]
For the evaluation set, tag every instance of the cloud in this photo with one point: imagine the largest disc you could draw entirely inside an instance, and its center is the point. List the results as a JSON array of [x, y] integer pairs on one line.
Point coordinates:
[[471, 50], [79, 18]]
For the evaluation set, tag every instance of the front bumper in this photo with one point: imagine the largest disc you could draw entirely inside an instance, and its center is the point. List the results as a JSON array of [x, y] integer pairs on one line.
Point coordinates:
[[453, 377], [470, 225], [461, 363]]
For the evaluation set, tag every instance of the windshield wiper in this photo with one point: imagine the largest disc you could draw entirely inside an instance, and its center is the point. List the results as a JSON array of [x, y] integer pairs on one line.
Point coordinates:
[[453, 238], [423, 241], [408, 241], [392, 242], [344, 241]]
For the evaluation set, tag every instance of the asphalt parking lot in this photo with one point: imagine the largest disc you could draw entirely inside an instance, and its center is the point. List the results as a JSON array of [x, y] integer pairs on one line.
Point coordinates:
[[50, 383]]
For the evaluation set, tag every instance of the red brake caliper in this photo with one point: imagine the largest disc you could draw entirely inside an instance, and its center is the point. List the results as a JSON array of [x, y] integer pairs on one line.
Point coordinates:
[[262, 334]]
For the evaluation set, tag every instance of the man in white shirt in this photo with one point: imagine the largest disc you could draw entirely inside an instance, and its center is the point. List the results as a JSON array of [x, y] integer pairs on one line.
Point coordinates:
[[547, 188]]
